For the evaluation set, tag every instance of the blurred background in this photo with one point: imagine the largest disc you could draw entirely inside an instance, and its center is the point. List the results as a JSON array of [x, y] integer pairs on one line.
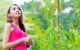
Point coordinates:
[[52, 24]]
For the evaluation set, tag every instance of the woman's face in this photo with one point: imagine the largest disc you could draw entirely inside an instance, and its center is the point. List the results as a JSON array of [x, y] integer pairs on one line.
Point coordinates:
[[15, 11]]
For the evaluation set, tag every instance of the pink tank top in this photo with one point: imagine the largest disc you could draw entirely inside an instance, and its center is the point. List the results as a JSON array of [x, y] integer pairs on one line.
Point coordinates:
[[15, 35]]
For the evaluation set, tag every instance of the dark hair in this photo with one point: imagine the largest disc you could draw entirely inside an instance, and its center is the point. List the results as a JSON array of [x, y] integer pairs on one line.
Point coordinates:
[[9, 19]]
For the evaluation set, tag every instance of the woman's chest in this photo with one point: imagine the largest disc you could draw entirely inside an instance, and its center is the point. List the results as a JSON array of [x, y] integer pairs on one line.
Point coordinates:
[[18, 33]]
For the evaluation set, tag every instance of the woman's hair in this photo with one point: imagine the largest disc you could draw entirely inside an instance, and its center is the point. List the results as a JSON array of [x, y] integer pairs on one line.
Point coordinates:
[[9, 19]]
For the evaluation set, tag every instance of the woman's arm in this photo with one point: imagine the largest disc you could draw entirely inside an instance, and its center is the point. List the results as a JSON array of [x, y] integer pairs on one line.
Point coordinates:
[[6, 44]]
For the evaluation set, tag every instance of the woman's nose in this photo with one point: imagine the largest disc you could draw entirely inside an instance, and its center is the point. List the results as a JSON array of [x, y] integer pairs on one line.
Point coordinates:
[[17, 10]]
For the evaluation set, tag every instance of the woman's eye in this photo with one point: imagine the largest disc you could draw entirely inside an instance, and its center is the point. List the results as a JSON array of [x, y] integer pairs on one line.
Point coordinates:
[[19, 9], [14, 8]]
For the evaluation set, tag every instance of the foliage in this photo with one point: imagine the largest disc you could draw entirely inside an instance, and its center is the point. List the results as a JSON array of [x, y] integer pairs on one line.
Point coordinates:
[[44, 26], [40, 17]]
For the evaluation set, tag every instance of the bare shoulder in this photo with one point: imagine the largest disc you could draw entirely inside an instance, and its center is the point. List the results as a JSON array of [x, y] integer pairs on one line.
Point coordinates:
[[7, 25], [7, 29]]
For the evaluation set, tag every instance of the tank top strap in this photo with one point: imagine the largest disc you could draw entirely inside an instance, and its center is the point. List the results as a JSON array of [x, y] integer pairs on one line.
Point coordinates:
[[12, 25]]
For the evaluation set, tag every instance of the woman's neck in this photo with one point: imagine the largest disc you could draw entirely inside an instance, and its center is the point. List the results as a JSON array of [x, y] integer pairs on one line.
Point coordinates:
[[16, 22]]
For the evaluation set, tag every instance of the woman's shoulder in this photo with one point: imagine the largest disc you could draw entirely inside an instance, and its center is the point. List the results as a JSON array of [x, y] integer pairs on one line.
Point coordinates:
[[8, 25]]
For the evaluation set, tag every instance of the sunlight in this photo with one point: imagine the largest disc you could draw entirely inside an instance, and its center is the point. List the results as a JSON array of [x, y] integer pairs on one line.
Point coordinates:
[[66, 1], [20, 1]]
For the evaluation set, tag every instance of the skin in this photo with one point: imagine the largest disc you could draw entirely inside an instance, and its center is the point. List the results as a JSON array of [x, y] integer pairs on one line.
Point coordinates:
[[15, 14]]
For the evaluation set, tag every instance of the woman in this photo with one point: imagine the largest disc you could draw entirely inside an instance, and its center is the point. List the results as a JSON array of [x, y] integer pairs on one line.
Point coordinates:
[[15, 37]]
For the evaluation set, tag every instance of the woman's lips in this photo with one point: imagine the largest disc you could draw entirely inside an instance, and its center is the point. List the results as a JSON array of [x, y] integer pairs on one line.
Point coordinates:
[[17, 13]]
